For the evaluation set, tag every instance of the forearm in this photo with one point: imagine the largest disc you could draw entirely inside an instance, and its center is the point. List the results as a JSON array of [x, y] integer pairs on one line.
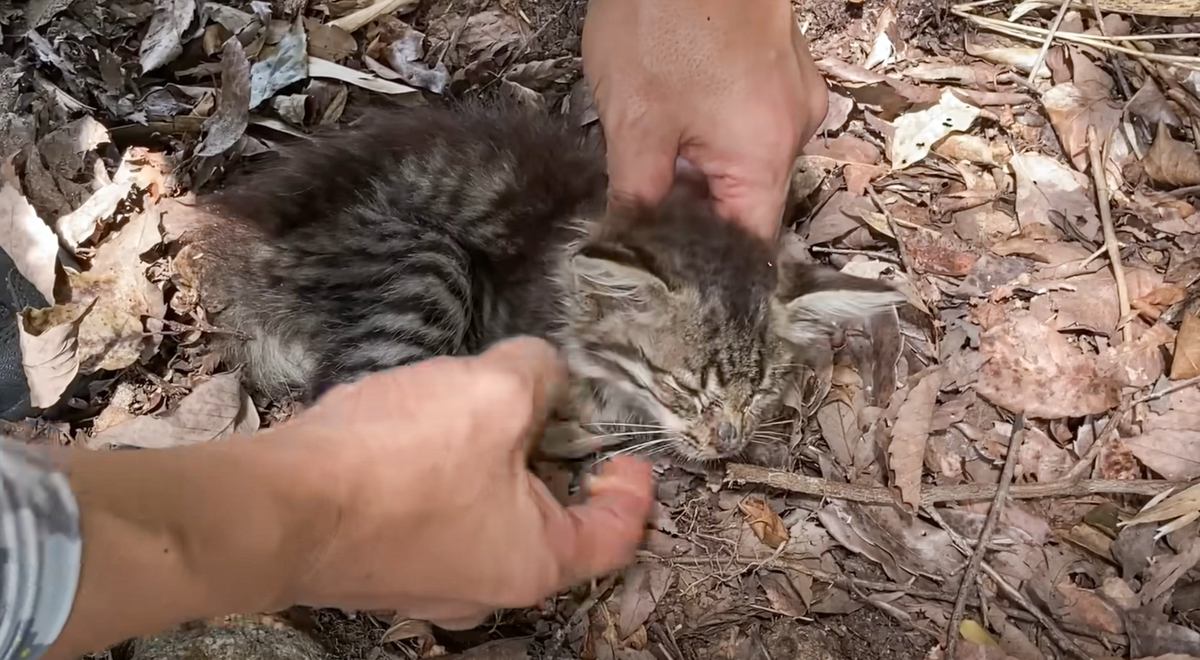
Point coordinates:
[[174, 536]]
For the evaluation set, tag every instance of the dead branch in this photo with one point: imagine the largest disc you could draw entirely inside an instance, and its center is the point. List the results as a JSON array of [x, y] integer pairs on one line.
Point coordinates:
[[1110, 233], [985, 535], [741, 473]]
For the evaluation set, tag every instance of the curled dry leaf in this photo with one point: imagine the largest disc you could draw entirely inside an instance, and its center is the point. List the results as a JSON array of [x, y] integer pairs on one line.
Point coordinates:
[[1031, 369], [227, 125], [765, 523], [355, 20], [1021, 58], [1171, 162], [217, 408], [49, 341], [906, 452], [164, 39], [27, 240], [918, 132], [643, 588], [1181, 507]]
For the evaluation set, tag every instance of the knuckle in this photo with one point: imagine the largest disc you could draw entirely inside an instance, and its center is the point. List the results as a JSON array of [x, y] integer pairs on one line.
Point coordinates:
[[510, 390]]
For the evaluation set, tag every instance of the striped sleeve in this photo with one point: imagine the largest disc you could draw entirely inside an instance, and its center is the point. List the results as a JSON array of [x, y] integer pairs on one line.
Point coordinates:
[[40, 552]]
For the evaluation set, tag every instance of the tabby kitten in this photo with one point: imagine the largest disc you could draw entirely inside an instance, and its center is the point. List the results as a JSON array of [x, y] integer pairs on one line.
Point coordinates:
[[427, 232]]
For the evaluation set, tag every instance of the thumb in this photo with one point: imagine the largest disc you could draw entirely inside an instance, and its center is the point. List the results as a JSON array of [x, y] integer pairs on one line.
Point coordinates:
[[641, 163], [755, 203], [602, 534]]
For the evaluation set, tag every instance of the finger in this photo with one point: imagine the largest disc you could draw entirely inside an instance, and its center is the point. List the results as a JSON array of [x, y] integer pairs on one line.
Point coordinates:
[[526, 370], [641, 161], [462, 623], [756, 204], [603, 533]]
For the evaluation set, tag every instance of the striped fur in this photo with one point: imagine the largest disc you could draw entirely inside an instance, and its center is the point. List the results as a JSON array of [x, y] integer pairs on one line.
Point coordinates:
[[437, 232]]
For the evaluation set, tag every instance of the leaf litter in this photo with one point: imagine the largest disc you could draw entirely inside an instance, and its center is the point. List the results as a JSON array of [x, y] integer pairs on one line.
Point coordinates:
[[951, 172]]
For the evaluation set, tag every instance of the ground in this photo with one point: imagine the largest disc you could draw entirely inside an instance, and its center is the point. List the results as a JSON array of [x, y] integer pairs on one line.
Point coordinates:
[[1046, 359]]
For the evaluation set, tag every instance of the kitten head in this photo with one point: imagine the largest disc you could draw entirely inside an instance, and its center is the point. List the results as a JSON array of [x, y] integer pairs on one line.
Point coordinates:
[[691, 322]]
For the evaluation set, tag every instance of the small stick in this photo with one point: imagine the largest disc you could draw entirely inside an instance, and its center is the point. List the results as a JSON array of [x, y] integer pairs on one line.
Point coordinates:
[[1110, 234], [985, 535], [792, 482], [1041, 56], [1034, 612]]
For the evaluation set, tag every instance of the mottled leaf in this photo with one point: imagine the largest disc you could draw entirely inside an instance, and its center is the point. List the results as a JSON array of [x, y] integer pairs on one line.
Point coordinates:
[[217, 408], [164, 39], [906, 452], [226, 126], [27, 240], [1172, 162], [918, 132]]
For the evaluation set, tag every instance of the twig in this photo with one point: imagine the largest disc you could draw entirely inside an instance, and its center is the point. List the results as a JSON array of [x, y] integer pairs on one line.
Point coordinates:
[[855, 585], [985, 535], [1035, 613], [1110, 234], [817, 487], [1041, 56]]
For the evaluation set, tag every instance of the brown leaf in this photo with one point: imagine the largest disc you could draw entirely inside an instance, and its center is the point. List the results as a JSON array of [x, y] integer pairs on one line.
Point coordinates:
[[643, 587], [1185, 362], [1173, 453], [906, 451], [1034, 370], [1042, 458], [329, 42], [218, 408], [1139, 363], [1088, 608], [785, 595], [320, 68], [1072, 110], [939, 254], [49, 341], [1172, 162], [1150, 104], [764, 522], [1045, 186]]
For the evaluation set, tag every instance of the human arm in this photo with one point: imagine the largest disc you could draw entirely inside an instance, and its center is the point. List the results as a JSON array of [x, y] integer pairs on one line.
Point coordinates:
[[728, 86], [350, 505]]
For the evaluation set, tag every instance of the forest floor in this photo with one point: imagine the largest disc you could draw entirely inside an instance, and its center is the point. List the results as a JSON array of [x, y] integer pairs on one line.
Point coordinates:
[[1026, 173]]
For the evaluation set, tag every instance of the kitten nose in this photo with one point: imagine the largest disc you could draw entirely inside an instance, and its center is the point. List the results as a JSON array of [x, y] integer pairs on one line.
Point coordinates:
[[727, 433]]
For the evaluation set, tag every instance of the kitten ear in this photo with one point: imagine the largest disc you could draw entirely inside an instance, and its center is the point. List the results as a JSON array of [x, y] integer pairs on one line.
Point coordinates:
[[817, 298], [613, 271]]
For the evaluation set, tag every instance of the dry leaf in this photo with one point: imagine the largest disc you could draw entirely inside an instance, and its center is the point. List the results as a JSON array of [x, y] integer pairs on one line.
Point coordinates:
[[282, 61], [355, 20], [164, 39], [906, 452], [785, 595], [1046, 186], [1185, 362], [1021, 58], [405, 54], [227, 125], [1172, 162], [1150, 104], [79, 225], [1139, 363], [1088, 608], [971, 148], [1173, 453], [838, 112], [489, 35], [318, 68], [28, 241], [217, 408], [643, 587], [766, 524], [918, 132], [1073, 109], [329, 42], [50, 351], [1182, 506], [1034, 370]]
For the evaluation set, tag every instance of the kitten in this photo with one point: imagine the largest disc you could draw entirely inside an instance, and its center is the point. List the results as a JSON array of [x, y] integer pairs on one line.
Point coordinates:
[[437, 232]]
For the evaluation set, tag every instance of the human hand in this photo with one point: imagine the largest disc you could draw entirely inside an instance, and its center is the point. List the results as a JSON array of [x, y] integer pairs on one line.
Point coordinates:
[[728, 86], [439, 516]]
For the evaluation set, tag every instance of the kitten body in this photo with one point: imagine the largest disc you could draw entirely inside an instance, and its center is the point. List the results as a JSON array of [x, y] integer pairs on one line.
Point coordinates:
[[438, 232]]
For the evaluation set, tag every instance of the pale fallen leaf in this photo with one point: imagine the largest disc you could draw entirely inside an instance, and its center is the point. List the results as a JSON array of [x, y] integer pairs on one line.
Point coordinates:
[[355, 20], [329, 42], [164, 39], [1139, 363], [79, 225], [402, 629], [1045, 185], [764, 522], [27, 240], [282, 61], [1185, 362], [50, 351], [1150, 104], [216, 409], [1171, 452], [405, 56], [976, 634], [906, 452], [1183, 505], [839, 110], [1088, 608], [1172, 162], [902, 545], [489, 35], [1021, 58], [785, 595], [225, 127], [290, 107], [918, 132], [971, 148], [1034, 370], [319, 68], [1040, 457]]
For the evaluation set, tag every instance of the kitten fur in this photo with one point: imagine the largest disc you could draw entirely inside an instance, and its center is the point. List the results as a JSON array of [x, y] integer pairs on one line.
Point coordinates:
[[424, 232]]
